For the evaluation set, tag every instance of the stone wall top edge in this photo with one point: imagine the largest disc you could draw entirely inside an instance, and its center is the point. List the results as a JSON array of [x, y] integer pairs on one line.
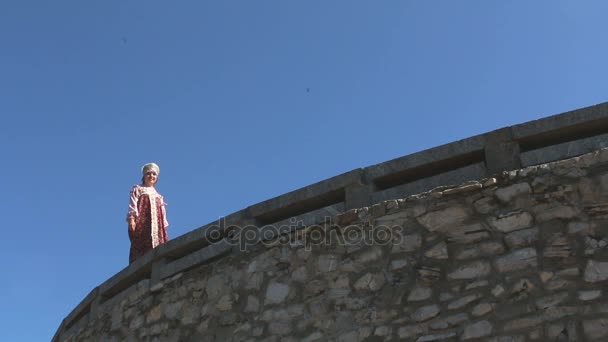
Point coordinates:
[[442, 152], [59, 332], [129, 271], [472, 172], [438, 153], [478, 142], [308, 192], [88, 300], [588, 160], [197, 236], [200, 235], [562, 120]]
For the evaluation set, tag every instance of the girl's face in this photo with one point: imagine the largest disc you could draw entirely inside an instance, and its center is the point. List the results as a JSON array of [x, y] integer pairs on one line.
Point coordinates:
[[150, 178]]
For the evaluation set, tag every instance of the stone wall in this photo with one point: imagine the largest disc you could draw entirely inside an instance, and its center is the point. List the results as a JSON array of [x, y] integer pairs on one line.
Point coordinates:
[[519, 257]]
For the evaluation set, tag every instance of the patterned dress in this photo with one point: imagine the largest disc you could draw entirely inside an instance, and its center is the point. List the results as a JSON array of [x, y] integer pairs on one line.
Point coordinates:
[[148, 208]]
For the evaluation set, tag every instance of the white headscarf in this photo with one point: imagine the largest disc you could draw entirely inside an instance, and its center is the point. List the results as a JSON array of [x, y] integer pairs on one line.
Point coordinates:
[[150, 167]]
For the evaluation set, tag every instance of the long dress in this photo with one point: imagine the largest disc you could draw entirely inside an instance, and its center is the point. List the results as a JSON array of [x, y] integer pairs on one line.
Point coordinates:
[[147, 206]]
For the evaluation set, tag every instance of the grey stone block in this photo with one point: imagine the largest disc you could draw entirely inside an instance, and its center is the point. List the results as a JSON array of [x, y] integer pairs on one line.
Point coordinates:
[[81, 310], [196, 258], [564, 150], [314, 217], [501, 152], [555, 122], [136, 271], [358, 196], [202, 236], [439, 153], [80, 323], [309, 193], [467, 173]]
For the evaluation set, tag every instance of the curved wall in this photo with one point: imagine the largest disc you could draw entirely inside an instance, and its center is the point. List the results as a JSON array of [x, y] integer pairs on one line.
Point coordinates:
[[534, 234]]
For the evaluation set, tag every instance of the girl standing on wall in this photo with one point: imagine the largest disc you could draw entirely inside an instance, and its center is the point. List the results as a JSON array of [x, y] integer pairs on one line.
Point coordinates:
[[147, 217]]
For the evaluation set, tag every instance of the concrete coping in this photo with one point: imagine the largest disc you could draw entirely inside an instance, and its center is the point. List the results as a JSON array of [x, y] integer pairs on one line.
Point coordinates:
[[136, 271], [553, 130], [82, 309], [576, 124], [427, 163], [314, 196]]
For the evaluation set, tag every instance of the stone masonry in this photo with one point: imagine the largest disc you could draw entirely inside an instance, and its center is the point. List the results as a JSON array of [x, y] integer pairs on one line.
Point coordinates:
[[519, 257]]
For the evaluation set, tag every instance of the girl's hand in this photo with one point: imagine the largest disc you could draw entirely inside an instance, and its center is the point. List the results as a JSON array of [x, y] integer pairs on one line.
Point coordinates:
[[131, 224]]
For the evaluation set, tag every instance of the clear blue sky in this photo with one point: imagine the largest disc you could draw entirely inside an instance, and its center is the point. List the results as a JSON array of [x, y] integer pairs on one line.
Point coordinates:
[[241, 101]]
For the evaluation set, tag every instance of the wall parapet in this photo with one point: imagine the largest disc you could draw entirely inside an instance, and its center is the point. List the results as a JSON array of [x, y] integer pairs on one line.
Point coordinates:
[[540, 141]]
